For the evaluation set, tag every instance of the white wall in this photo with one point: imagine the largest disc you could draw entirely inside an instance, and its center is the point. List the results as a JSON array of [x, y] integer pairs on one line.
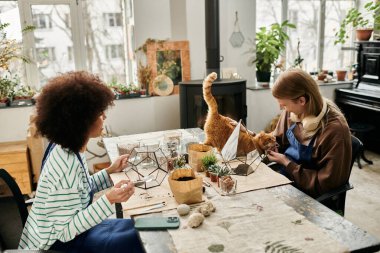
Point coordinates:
[[128, 116], [152, 20], [262, 107], [236, 57]]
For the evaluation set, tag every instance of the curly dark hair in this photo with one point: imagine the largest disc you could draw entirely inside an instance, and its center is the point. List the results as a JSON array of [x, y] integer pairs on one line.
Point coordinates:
[[69, 105]]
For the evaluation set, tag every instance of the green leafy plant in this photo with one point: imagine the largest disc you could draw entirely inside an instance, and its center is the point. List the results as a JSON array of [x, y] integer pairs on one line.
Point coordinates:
[[23, 92], [357, 19], [269, 45], [209, 160], [179, 162], [7, 86], [214, 169], [10, 49], [298, 60], [223, 171]]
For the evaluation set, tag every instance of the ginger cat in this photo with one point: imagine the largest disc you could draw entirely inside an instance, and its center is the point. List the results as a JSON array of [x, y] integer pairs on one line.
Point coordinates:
[[218, 127]]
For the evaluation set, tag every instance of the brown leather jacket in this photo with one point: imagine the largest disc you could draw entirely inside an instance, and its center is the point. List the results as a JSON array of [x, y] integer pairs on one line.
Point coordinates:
[[331, 155]]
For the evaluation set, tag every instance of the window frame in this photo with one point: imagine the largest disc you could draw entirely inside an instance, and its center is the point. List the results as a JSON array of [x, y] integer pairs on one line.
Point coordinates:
[[321, 26]]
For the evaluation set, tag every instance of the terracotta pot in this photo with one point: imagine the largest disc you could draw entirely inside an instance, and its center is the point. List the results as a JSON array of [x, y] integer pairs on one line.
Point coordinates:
[[321, 76], [207, 173], [213, 177], [341, 75], [363, 34]]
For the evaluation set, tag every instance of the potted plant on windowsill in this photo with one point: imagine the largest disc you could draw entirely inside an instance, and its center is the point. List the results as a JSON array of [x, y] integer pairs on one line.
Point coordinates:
[[10, 51], [360, 21], [144, 75], [269, 44], [23, 95], [6, 90]]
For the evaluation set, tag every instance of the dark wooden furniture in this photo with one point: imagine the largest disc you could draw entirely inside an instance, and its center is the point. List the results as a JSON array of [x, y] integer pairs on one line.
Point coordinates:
[[361, 104]]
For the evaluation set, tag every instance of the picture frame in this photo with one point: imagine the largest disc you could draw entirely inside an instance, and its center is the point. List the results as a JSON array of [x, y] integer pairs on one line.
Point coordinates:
[[171, 58]]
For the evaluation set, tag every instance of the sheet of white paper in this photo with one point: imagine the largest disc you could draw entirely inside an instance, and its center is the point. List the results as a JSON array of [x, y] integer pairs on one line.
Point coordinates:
[[230, 148]]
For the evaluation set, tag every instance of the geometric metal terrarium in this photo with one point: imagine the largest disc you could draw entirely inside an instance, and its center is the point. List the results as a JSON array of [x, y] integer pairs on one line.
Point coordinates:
[[145, 161], [242, 165]]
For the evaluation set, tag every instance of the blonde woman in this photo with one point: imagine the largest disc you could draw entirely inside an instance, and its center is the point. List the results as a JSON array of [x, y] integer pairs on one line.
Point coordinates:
[[314, 137]]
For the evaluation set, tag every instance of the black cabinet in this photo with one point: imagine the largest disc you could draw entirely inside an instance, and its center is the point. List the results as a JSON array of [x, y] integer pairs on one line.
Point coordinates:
[[369, 62]]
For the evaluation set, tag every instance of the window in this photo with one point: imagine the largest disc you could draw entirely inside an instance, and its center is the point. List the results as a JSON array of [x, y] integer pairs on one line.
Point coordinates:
[[113, 19], [79, 38], [70, 53], [268, 12], [9, 14], [45, 55], [305, 14], [336, 59], [42, 21], [67, 20], [114, 51]]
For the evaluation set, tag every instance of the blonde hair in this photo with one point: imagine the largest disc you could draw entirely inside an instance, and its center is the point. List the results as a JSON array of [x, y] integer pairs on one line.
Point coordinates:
[[295, 83]]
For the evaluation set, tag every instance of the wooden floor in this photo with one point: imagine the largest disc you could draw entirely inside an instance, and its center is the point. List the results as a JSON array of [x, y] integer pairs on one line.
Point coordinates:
[[363, 202]]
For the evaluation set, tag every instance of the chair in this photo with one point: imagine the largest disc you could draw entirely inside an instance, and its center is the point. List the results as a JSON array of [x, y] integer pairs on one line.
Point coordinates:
[[13, 215], [360, 130], [13, 211], [336, 199]]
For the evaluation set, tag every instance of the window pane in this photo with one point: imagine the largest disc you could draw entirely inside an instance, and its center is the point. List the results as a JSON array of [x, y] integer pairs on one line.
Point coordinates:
[[9, 13], [104, 34], [268, 12], [52, 38], [333, 57], [305, 15]]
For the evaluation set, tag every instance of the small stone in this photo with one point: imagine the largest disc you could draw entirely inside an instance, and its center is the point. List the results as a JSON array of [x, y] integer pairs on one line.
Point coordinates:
[[183, 209], [195, 220]]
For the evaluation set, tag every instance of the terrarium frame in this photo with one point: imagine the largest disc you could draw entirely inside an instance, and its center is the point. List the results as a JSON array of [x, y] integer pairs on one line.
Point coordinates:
[[156, 164], [244, 167]]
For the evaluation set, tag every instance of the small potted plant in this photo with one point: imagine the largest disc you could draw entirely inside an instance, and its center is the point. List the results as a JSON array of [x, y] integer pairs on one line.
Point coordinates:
[[23, 95], [213, 170], [223, 171], [179, 162], [133, 90], [144, 75], [341, 74], [6, 90], [360, 21], [207, 161], [267, 48]]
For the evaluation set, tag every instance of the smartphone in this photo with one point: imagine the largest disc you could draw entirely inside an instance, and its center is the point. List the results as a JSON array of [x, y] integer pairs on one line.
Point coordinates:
[[157, 223]]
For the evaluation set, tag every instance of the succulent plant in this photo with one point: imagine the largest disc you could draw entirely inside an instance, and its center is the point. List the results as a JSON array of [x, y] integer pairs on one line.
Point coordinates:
[[223, 171], [179, 162]]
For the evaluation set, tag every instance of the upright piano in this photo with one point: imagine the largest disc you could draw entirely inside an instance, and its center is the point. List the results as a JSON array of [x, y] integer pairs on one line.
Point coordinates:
[[361, 104]]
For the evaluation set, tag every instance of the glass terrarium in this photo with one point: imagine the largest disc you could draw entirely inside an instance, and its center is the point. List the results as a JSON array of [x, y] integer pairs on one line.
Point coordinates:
[[148, 160]]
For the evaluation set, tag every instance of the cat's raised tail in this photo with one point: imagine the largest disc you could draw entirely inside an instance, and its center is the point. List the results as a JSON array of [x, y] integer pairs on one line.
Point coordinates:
[[207, 95]]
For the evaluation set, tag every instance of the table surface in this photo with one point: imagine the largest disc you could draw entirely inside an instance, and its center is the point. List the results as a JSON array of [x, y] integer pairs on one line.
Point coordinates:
[[338, 228]]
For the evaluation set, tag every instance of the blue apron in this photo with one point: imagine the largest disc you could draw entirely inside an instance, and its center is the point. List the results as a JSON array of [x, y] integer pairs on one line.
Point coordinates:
[[297, 152], [111, 235]]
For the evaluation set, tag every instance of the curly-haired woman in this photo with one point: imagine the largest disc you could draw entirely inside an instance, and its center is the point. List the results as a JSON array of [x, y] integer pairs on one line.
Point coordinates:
[[70, 111]]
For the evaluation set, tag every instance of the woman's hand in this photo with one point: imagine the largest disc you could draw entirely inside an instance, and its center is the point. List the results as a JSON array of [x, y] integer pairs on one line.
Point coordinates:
[[120, 164], [121, 192], [278, 158]]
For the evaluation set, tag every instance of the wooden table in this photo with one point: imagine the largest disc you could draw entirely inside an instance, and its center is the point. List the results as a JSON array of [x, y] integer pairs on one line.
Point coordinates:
[[338, 228]]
